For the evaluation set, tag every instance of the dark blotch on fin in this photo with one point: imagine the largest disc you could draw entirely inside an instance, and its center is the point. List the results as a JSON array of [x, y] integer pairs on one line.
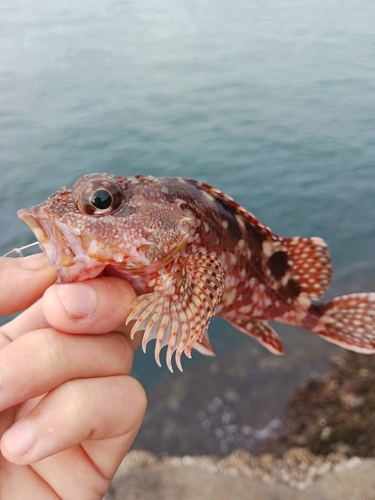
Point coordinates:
[[293, 287], [317, 308], [278, 264]]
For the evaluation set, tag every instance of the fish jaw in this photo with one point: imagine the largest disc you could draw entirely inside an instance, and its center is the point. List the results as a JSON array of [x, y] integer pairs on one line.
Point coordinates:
[[62, 246]]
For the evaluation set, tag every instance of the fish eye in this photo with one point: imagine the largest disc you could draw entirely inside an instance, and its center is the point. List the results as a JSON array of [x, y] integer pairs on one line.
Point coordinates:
[[100, 197]]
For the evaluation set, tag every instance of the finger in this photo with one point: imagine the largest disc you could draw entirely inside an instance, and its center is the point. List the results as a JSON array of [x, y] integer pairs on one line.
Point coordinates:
[[34, 319], [94, 412], [98, 305], [31, 319], [46, 359], [23, 281]]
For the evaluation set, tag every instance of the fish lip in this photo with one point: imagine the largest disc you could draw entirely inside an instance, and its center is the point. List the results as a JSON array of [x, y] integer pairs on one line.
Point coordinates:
[[52, 235], [62, 246]]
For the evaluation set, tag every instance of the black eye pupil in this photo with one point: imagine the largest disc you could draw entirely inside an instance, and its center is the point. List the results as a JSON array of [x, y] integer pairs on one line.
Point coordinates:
[[101, 199]]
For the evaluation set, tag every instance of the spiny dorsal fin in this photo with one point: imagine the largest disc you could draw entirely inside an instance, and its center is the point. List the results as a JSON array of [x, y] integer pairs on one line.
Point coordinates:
[[246, 216]]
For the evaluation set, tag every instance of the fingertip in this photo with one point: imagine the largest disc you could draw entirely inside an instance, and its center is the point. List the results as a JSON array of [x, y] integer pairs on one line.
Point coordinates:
[[18, 441], [34, 262]]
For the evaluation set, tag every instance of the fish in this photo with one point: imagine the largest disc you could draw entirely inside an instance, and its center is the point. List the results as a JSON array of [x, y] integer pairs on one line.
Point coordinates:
[[191, 252]]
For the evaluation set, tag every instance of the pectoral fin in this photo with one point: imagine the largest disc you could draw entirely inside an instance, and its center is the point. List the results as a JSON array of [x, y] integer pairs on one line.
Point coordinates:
[[179, 311]]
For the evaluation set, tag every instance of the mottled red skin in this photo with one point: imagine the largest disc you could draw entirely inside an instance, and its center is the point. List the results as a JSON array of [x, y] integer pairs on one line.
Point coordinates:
[[246, 266], [194, 251]]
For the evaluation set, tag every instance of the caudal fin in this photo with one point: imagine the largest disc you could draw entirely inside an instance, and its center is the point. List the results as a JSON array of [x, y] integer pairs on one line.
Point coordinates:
[[349, 321]]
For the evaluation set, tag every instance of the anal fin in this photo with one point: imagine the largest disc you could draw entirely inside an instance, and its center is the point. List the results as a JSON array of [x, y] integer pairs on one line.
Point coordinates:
[[203, 345], [260, 331]]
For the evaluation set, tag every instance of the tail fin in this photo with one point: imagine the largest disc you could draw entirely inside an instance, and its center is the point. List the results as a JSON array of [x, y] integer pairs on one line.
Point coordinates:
[[349, 321]]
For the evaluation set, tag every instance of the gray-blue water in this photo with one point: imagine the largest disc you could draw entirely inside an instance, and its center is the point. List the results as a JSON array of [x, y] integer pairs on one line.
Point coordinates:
[[271, 101]]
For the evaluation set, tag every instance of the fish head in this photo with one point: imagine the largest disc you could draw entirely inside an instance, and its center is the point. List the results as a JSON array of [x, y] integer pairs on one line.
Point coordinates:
[[124, 223]]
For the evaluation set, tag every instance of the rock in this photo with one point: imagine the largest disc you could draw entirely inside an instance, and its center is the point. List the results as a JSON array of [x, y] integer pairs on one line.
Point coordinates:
[[335, 412]]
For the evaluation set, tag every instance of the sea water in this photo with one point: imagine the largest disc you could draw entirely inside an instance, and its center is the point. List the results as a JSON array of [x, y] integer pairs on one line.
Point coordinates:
[[271, 101]]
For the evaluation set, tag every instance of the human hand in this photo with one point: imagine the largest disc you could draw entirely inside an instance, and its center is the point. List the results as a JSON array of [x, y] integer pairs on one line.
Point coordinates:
[[69, 410]]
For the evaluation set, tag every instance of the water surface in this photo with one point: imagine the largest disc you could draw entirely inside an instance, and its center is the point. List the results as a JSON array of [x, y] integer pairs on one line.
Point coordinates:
[[273, 102]]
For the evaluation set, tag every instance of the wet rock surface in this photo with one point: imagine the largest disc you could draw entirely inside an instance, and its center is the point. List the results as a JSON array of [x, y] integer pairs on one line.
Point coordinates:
[[335, 412]]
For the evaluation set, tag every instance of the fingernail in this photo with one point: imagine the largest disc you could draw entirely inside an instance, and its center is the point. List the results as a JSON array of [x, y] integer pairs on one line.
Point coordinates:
[[20, 439], [34, 262], [79, 300]]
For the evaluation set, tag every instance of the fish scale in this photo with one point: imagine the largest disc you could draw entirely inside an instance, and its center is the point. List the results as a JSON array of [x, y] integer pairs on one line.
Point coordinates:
[[190, 251]]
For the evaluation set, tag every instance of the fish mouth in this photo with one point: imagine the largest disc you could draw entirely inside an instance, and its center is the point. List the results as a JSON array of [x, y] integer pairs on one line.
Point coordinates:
[[62, 245], [51, 238]]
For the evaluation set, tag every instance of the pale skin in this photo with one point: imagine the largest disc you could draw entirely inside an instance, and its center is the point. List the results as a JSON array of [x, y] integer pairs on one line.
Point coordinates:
[[69, 410]]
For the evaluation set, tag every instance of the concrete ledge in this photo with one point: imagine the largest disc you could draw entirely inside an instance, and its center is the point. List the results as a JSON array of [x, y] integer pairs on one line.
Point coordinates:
[[299, 475]]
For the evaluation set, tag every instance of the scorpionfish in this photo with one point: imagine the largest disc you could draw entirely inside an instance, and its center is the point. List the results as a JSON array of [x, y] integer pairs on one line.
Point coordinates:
[[190, 252]]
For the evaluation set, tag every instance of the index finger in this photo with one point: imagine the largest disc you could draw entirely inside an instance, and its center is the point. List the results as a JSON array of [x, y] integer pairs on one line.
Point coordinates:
[[23, 281]]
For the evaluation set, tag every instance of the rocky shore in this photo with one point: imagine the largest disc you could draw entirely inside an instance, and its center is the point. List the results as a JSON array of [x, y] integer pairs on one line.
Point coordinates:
[[334, 413], [323, 450]]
